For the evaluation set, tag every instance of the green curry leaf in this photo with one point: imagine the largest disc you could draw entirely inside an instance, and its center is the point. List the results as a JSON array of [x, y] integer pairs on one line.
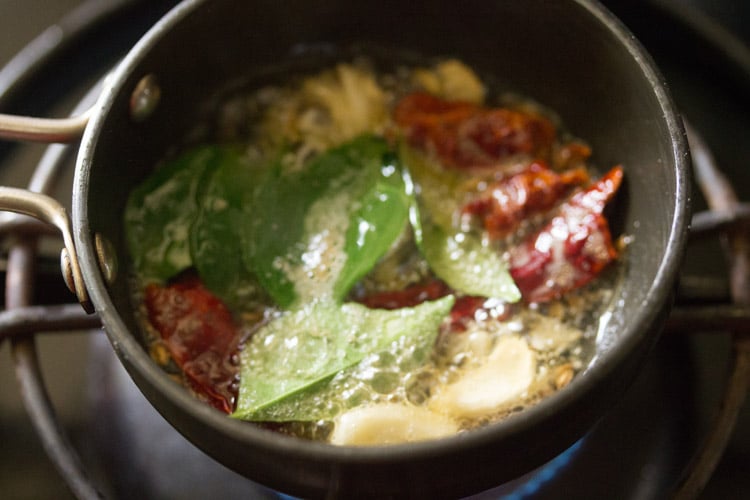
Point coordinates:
[[312, 233], [459, 258], [381, 218], [215, 243], [467, 265], [301, 349], [160, 211]]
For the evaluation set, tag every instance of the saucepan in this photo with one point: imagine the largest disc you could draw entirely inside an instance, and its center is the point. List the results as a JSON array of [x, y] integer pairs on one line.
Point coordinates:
[[571, 55]]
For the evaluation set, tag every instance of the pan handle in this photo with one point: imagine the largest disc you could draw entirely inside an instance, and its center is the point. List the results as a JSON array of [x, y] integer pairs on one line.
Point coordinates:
[[47, 130], [143, 101], [49, 210]]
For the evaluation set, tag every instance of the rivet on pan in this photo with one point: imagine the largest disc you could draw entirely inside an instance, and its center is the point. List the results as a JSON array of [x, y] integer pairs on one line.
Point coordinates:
[[145, 98], [105, 254], [67, 270]]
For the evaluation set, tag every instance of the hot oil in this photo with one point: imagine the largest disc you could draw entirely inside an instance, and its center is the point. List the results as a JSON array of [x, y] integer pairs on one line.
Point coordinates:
[[263, 119]]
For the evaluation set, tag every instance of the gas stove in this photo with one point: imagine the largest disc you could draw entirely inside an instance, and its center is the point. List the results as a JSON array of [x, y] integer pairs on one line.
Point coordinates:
[[56, 52]]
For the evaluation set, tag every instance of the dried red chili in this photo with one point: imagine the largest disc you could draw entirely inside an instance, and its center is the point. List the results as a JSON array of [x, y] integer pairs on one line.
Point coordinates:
[[200, 334], [572, 249], [464, 309], [465, 135], [408, 297], [509, 201]]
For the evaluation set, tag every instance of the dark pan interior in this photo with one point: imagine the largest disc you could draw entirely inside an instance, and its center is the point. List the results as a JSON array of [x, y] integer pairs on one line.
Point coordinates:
[[570, 56]]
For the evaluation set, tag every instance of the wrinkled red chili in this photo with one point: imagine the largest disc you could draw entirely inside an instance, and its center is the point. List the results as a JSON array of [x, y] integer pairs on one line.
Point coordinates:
[[465, 135], [507, 202], [464, 309], [200, 334], [572, 249]]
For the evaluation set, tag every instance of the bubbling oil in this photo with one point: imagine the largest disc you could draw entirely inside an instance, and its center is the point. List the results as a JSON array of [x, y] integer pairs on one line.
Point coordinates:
[[293, 112], [561, 337]]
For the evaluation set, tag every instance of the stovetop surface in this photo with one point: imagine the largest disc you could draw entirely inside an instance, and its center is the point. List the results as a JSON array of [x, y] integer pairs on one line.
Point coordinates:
[[632, 453]]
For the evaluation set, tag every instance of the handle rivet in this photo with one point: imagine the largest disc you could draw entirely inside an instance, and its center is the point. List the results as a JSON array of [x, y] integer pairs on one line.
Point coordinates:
[[145, 98], [107, 257], [67, 270]]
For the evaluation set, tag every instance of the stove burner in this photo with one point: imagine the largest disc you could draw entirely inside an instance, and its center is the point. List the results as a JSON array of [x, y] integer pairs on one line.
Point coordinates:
[[543, 476]]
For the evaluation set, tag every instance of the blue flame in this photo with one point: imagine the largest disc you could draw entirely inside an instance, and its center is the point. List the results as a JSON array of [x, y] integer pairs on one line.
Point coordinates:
[[543, 475]]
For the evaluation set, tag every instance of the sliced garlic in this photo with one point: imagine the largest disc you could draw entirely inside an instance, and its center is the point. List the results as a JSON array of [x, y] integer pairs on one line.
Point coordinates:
[[353, 100], [503, 377], [428, 80], [451, 80], [390, 424], [459, 82], [552, 335]]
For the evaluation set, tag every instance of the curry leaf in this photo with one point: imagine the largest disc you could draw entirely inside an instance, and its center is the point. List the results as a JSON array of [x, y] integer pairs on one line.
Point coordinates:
[[465, 264], [305, 347], [459, 258], [159, 213], [215, 243], [382, 217], [313, 232]]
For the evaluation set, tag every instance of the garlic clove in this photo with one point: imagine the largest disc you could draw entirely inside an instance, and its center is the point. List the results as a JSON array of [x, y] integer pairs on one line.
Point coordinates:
[[508, 371], [390, 424]]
